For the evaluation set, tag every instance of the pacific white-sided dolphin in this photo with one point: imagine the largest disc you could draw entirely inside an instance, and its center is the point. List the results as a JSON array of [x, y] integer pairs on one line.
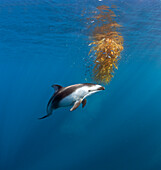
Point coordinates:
[[71, 95]]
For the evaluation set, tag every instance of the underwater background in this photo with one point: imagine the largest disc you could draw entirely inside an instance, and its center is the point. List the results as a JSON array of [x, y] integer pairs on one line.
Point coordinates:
[[45, 42]]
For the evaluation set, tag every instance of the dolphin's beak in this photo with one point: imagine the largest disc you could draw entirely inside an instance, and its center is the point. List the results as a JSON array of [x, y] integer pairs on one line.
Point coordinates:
[[101, 88]]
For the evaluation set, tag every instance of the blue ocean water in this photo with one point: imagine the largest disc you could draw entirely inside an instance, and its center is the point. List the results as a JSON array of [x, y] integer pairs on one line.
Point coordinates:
[[45, 42]]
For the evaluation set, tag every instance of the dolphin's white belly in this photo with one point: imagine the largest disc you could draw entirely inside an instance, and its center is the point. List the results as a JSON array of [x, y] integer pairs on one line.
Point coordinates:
[[67, 101], [72, 98]]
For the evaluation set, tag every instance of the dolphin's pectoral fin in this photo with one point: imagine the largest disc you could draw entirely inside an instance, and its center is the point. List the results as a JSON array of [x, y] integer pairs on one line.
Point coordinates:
[[84, 103], [76, 104]]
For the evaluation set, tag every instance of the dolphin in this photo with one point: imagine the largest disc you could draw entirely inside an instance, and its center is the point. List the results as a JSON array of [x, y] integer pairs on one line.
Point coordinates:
[[71, 95]]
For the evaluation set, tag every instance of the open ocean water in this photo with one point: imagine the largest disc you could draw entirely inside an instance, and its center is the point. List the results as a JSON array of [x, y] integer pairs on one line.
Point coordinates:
[[45, 42]]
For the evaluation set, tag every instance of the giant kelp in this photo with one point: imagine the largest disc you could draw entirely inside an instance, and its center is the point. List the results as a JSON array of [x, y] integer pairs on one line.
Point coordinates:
[[107, 44]]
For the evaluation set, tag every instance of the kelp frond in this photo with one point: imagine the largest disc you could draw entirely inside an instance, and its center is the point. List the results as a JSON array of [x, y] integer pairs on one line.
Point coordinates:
[[106, 46]]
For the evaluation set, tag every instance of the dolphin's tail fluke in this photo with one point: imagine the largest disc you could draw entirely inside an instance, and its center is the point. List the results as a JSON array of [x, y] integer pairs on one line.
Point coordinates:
[[45, 116]]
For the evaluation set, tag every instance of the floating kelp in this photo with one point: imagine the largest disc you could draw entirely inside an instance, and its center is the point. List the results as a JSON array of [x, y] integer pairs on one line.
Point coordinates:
[[106, 46]]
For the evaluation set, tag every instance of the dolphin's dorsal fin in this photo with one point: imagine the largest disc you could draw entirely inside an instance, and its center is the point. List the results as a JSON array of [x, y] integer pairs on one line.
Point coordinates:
[[56, 87]]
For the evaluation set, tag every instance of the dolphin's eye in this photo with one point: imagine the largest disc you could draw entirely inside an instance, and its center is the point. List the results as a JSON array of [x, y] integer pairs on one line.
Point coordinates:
[[89, 90]]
